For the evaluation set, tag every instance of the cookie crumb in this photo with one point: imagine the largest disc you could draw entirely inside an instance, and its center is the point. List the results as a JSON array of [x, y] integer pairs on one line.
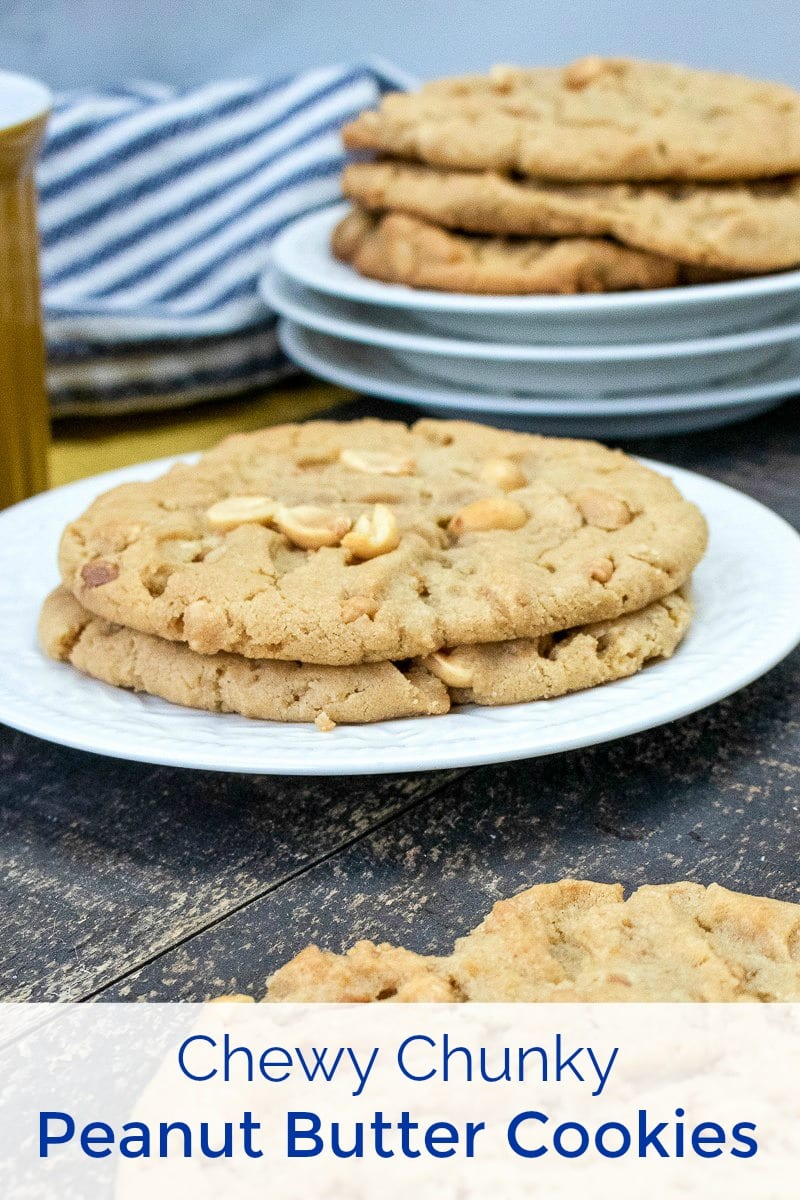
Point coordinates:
[[324, 723]]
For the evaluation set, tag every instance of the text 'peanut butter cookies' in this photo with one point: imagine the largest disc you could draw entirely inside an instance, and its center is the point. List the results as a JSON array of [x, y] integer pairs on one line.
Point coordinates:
[[598, 119], [499, 673], [396, 248], [729, 227], [368, 541], [582, 942]]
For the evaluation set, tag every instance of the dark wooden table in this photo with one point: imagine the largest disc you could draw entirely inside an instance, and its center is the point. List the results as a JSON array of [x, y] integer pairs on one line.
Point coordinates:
[[125, 881]]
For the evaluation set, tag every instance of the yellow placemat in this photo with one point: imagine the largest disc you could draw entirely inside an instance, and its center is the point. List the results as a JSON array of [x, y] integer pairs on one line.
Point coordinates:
[[85, 446]]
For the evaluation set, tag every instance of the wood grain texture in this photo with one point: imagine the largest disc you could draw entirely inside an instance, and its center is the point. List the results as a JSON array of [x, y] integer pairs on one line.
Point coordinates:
[[713, 797], [134, 882], [104, 864]]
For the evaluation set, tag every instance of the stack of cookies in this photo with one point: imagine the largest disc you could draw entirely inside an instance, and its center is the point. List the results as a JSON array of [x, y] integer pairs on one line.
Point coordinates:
[[355, 572], [605, 175]]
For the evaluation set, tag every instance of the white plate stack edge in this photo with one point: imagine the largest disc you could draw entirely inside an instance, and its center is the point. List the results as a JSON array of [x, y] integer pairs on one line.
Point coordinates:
[[627, 364]]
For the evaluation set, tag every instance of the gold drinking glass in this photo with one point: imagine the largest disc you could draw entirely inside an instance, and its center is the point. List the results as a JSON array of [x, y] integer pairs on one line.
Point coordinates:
[[24, 421]]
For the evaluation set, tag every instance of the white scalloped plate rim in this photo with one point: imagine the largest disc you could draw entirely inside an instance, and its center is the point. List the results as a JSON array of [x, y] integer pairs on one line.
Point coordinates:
[[318, 312], [747, 619], [362, 370], [301, 252]]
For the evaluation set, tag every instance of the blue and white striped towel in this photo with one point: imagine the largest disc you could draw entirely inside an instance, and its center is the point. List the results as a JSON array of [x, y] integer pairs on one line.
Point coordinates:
[[157, 208]]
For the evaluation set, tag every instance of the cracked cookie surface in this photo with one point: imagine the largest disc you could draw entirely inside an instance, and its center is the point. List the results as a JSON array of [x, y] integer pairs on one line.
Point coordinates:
[[597, 119], [467, 534], [729, 227], [500, 673], [583, 942]]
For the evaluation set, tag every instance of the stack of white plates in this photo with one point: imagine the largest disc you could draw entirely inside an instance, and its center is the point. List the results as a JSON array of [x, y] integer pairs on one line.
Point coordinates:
[[622, 364]]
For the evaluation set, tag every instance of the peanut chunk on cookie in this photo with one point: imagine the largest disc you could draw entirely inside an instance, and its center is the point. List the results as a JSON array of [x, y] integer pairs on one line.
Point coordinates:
[[503, 473], [495, 512], [603, 510], [373, 534], [311, 527], [601, 570], [450, 667], [240, 510], [585, 71], [376, 462], [358, 606]]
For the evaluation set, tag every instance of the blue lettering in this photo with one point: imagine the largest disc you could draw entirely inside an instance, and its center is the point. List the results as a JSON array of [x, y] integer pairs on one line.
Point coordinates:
[[105, 1136], [715, 1138], [197, 1037], [649, 1138], [750, 1144], [294, 1135], [558, 1140], [319, 1064], [46, 1139], [277, 1059], [625, 1140], [416, 1037], [513, 1140]]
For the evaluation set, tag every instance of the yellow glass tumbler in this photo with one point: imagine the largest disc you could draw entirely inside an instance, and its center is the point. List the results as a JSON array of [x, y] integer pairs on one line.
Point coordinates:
[[24, 420]]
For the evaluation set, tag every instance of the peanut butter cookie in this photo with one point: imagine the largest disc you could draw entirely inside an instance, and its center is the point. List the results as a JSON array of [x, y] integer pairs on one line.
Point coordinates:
[[396, 248], [579, 941], [366, 541], [268, 689], [597, 119], [501, 673], [731, 227]]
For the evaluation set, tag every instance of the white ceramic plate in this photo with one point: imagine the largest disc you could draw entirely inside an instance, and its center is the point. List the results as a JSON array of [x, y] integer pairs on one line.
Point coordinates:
[[534, 370], [739, 632], [378, 373], [302, 253]]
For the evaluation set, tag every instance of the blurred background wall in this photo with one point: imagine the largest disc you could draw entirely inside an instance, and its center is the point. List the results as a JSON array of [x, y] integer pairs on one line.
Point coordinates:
[[72, 42]]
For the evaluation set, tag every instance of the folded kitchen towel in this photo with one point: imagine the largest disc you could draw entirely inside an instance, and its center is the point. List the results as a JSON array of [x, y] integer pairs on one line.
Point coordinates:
[[157, 208]]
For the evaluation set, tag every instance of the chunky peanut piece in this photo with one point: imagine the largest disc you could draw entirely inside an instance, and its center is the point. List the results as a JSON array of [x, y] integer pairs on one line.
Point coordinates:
[[495, 512], [373, 534], [95, 574], [450, 667], [502, 77], [503, 473], [114, 536], [584, 71], [602, 509], [241, 510], [378, 462], [324, 723], [311, 527], [601, 569], [358, 606]]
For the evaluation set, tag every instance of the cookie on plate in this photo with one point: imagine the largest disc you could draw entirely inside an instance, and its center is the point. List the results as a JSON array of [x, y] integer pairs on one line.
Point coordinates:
[[366, 541], [731, 227], [501, 673], [396, 248], [268, 689], [583, 942], [597, 119]]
